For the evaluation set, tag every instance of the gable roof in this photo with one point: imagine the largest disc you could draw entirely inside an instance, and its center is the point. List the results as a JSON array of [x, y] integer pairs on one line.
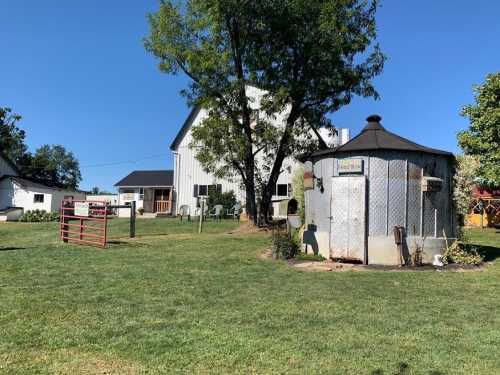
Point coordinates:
[[185, 127], [27, 183], [9, 162], [147, 179], [375, 137]]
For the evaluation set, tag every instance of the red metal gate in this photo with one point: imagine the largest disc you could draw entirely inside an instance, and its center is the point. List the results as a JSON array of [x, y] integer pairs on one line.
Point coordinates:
[[84, 222]]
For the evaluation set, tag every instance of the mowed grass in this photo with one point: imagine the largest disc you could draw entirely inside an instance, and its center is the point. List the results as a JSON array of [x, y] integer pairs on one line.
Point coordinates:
[[173, 301]]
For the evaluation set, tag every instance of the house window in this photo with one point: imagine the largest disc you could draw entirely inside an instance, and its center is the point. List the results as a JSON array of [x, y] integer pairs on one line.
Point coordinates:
[[38, 198], [205, 190], [202, 190], [141, 194]]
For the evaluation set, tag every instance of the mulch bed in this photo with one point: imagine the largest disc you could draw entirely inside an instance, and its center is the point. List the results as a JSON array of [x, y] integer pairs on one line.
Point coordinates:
[[329, 266]]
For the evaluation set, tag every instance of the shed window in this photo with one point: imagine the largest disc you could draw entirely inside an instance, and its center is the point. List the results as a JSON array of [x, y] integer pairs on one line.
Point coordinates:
[[282, 190], [38, 198], [141, 194]]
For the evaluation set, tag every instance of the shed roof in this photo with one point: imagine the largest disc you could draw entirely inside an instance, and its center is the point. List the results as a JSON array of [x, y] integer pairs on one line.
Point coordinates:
[[27, 183], [375, 137], [148, 179]]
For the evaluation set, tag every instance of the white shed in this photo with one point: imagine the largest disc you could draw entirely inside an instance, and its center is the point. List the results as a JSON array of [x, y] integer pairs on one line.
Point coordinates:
[[29, 195]]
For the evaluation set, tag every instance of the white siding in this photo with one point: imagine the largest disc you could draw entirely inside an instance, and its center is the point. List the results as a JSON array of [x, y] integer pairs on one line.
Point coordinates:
[[6, 193], [15, 195], [124, 198], [188, 171]]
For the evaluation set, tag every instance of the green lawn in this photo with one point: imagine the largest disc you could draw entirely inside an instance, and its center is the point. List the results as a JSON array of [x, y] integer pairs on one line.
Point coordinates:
[[172, 301]]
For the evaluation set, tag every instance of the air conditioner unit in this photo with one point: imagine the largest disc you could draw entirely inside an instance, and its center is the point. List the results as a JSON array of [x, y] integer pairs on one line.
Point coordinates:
[[431, 184]]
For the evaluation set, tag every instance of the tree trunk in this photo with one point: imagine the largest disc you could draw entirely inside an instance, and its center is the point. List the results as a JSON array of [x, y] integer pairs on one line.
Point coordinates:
[[267, 193]]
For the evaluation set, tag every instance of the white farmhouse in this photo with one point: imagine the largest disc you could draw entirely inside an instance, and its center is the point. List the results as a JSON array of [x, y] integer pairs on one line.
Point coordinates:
[[18, 194], [192, 183]]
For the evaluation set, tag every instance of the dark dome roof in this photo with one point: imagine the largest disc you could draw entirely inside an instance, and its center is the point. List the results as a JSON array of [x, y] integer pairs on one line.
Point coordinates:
[[375, 137]]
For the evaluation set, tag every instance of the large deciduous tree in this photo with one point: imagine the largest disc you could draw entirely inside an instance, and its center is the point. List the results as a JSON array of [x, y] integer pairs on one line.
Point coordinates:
[[309, 56], [49, 165], [11, 136], [482, 140], [54, 166]]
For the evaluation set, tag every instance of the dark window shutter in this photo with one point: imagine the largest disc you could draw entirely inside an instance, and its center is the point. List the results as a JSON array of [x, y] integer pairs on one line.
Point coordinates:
[[219, 188], [195, 191]]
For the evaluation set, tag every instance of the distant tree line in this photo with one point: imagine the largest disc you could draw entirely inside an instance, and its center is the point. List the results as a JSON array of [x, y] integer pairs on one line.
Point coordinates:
[[51, 165]]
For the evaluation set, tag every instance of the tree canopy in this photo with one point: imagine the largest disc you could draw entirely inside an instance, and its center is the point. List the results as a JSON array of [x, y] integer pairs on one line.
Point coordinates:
[[49, 165], [483, 137], [52, 165], [310, 57], [11, 136]]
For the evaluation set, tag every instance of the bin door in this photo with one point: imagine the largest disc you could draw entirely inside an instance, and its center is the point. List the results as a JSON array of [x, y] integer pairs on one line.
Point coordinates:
[[348, 218]]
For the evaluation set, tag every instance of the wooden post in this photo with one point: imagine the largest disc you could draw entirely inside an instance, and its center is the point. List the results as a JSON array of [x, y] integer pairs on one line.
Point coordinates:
[[202, 207], [81, 229], [482, 214], [132, 219]]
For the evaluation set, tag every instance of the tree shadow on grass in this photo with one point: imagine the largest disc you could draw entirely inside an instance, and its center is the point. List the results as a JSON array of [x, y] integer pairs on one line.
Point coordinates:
[[117, 244], [490, 253], [403, 369], [12, 248]]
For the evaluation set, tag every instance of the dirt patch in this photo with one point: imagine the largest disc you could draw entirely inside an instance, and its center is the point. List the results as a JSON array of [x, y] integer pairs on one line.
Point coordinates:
[[71, 362], [249, 228], [329, 266]]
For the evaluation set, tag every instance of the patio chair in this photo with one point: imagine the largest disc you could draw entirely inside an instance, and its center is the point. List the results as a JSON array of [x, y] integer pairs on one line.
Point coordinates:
[[217, 212], [197, 212], [184, 211], [234, 212]]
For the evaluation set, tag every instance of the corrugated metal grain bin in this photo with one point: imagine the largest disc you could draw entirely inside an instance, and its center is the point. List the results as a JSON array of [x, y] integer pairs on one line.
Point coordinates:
[[379, 180]]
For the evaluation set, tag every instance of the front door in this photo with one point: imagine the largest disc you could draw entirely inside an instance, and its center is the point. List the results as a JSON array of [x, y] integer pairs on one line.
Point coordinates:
[[162, 200], [348, 218]]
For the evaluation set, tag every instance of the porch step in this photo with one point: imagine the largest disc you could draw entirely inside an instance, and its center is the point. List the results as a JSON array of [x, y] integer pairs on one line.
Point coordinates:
[[163, 214]]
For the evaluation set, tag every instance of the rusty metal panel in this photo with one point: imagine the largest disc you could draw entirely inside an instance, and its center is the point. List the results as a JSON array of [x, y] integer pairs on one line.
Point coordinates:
[[348, 221], [377, 195]]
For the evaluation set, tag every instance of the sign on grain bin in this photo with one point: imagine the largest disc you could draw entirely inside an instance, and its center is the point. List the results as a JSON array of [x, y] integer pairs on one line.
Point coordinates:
[[82, 209], [350, 165]]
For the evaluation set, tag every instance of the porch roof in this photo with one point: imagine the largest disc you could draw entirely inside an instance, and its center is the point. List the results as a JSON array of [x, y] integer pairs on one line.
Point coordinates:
[[158, 178]]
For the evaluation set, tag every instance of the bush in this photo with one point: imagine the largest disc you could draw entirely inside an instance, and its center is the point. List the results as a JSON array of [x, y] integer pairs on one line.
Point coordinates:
[[311, 257], [39, 216], [227, 199], [461, 253], [284, 247], [140, 211]]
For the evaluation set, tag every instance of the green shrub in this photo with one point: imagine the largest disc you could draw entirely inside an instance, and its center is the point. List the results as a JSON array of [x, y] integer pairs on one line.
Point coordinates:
[[312, 257], [461, 253], [140, 211], [227, 199], [39, 216], [284, 247]]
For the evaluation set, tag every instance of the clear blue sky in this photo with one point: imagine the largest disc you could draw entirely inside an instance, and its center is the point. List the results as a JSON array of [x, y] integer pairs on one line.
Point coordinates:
[[78, 74]]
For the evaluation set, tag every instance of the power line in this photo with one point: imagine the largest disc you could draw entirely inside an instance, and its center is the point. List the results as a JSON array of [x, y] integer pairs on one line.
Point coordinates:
[[122, 162]]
